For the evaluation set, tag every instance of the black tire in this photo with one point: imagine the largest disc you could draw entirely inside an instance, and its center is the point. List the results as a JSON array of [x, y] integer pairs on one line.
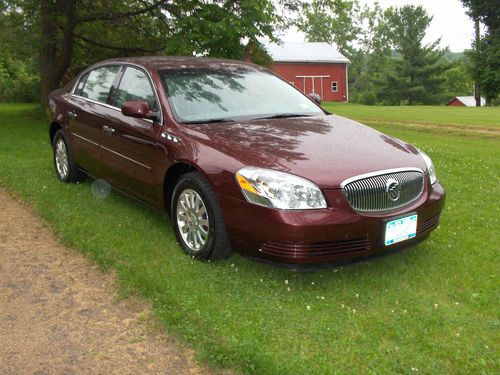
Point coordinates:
[[217, 245], [72, 173]]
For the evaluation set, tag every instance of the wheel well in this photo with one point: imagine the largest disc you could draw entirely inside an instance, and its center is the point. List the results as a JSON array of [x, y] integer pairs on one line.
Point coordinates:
[[54, 127], [171, 177]]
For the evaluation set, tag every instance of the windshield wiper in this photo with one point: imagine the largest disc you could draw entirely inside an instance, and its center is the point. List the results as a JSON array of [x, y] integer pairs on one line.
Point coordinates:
[[284, 115], [208, 121]]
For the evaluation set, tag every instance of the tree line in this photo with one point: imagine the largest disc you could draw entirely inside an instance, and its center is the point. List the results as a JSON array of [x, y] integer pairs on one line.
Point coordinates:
[[391, 64], [45, 43]]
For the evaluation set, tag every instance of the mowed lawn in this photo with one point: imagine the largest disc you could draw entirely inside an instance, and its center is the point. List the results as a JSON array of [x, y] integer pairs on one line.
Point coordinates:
[[462, 117], [431, 309]]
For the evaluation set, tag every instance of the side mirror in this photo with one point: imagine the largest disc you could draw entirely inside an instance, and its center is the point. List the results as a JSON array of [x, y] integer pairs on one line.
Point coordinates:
[[315, 97], [139, 109]]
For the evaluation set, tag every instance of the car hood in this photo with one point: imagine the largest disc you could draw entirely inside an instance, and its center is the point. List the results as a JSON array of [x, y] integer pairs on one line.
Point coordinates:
[[326, 150]]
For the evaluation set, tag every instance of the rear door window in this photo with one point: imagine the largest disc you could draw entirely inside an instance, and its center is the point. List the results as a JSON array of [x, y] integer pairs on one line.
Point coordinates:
[[98, 84], [134, 85]]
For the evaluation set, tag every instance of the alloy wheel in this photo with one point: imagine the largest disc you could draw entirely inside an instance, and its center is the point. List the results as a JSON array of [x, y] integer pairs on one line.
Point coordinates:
[[192, 219], [61, 158]]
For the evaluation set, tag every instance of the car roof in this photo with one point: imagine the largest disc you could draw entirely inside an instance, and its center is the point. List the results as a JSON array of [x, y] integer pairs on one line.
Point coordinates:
[[175, 62]]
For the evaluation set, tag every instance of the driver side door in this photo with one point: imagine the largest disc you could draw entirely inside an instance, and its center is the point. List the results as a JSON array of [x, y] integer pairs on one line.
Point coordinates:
[[133, 158]]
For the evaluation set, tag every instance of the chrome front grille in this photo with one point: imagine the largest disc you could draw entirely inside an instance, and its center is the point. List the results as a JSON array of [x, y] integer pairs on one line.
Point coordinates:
[[377, 191]]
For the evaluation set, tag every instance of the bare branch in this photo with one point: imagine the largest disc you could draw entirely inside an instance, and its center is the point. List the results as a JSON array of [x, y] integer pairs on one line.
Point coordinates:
[[110, 16], [116, 48]]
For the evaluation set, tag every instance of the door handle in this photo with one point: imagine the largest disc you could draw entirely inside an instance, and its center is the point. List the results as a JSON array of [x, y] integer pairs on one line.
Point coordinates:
[[108, 129], [72, 115]]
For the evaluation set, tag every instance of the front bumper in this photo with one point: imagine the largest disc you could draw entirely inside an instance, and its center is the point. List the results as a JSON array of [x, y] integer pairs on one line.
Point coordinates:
[[321, 236]]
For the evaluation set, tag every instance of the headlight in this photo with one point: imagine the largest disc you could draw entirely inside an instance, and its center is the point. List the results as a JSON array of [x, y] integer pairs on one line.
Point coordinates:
[[275, 189], [430, 167]]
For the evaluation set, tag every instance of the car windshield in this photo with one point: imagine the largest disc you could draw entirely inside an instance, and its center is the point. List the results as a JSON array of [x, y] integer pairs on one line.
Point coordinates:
[[230, 94]]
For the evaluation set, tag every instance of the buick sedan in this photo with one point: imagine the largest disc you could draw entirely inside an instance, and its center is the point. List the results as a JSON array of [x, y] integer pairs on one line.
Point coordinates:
[[242, 161]]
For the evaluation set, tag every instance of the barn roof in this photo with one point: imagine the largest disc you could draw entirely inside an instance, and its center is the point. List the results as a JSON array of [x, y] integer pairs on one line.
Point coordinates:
[[316, 52], [469, 101]]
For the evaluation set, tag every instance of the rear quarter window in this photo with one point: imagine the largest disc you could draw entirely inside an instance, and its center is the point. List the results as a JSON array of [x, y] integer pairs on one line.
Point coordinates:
[[81, 84]]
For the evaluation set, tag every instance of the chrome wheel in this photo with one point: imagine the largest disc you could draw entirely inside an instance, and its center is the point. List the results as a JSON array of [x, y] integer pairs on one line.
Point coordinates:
[[192, 219], [61, 157]]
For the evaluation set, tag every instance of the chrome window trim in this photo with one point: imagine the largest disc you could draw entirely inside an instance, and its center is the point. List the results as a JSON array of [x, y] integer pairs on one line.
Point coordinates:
[[378, 173], [121, 64], [96, 102], [108, 106]]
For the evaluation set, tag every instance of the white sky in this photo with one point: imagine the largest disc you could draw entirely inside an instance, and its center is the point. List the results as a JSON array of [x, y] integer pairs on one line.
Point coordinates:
[[450, 23]]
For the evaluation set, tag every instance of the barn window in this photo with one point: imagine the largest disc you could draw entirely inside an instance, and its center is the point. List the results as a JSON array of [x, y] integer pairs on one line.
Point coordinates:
[[335, 86]]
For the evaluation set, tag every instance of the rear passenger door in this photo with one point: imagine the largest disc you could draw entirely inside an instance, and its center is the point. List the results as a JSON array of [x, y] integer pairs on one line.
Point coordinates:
[[88, 109], [132, 156]]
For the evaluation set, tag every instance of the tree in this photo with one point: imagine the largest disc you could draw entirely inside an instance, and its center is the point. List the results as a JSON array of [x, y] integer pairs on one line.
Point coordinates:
[[19, 76], [70, 34], [458, 80], [63, 21], [485, 54], [417, 77], [331, 21], [371, 60]]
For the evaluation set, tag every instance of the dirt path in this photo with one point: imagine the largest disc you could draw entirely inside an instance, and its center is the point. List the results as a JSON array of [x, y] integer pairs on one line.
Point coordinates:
[[58, 313]]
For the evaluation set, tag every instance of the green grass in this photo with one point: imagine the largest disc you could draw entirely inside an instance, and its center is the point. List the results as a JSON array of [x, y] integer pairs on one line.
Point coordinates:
[[433, 307], [470, 117]]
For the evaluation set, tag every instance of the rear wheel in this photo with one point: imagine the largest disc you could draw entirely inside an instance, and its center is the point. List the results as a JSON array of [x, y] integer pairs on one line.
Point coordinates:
[[197, 219], [64, 164]]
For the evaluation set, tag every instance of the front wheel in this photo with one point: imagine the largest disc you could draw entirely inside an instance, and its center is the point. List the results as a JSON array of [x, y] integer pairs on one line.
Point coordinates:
[[197, 219]]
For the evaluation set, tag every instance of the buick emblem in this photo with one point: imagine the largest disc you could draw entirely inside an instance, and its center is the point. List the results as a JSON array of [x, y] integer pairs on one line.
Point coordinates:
[[392, 189]]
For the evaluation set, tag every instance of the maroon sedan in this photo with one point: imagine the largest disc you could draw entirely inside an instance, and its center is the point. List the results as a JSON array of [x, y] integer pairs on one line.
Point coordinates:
[[242, 161]]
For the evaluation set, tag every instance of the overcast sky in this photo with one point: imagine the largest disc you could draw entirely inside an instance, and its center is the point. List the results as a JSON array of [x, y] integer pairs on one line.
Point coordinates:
[[450, 23]]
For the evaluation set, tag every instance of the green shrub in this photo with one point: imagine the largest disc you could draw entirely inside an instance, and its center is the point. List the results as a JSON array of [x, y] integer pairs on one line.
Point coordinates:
[[19, 81]]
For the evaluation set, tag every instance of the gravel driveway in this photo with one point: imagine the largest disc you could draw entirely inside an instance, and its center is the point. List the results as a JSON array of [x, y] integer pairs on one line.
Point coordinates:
[[59, 313]]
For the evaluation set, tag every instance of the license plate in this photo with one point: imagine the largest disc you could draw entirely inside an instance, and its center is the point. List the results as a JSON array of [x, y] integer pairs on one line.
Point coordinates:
[[400, 229]]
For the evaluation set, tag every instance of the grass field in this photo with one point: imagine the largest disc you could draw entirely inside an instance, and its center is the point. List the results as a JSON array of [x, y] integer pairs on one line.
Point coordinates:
[[462, 117], [431, 309]]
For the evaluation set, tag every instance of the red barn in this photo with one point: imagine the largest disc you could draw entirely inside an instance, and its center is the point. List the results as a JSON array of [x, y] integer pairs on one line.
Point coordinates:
[[312, 68]]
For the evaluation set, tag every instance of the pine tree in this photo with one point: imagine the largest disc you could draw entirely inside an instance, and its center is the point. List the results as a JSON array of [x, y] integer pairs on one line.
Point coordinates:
[[417, 76]]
